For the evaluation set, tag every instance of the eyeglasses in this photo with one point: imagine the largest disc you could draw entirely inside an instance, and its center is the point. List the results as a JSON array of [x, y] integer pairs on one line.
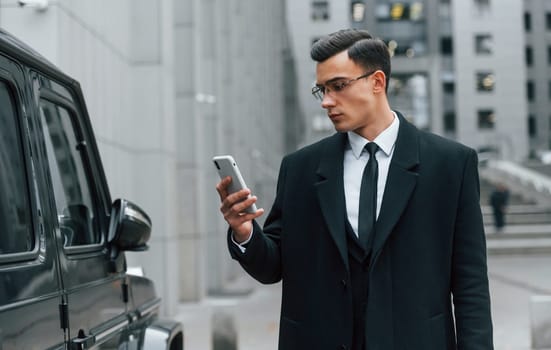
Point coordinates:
[[319, 91]]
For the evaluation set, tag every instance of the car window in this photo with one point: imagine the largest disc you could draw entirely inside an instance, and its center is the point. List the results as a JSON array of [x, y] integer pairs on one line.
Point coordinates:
[[16, 233], [70, 180]]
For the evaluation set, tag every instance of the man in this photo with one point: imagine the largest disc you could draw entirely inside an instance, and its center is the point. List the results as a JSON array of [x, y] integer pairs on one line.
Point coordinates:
[[498, 200], [417, 278]]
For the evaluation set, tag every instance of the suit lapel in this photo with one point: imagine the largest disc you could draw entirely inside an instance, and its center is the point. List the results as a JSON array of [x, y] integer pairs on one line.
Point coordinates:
[[330, 190], [401, 180]]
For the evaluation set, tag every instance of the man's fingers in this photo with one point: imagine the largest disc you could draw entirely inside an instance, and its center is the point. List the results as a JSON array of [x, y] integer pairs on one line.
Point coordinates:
[[222, 187], [234, 206], [236, 220], [232, 199], [242, 205]]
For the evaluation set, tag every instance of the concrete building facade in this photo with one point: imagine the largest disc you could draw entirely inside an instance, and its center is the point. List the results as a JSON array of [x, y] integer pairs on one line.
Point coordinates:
[[168, 85]]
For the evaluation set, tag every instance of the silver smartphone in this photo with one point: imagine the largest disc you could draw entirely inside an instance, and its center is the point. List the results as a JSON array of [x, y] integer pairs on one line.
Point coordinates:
[[227, 166]]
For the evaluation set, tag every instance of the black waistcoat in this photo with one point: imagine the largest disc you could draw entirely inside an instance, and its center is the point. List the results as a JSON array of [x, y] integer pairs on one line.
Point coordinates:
[[359, 276]]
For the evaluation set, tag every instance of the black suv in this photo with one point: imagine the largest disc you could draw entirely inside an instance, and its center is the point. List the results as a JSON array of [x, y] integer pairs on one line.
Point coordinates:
[[63, 280]]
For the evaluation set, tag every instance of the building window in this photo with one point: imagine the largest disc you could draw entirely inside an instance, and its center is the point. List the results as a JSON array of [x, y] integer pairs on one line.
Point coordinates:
[[404, 26], [446, 46], [530, 90], [400, 11], [320, 10], [532, 125], [486, 119], [449, 121], [448, 87], [411, 93], [482, 6], [527, 22], [549, 55], [358, 11], [485, 81], [483, 44], [529, 56], [549, 88], [548, 21]]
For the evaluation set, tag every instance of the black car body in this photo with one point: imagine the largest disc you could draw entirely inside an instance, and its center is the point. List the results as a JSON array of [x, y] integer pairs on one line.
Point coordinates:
[[63, 280]]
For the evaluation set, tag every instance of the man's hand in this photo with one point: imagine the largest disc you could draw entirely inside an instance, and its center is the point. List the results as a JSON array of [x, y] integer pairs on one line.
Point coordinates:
[[233, 209]]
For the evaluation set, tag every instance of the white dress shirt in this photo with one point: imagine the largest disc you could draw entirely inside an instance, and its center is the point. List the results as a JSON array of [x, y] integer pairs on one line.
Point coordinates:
[[355, 159]]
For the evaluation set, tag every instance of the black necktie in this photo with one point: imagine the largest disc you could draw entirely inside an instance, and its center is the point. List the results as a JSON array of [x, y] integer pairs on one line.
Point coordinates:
[[368, 197]]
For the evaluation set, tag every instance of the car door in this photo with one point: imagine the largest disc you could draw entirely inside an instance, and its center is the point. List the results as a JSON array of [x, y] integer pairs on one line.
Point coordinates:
[[30, 295], [96, 305]]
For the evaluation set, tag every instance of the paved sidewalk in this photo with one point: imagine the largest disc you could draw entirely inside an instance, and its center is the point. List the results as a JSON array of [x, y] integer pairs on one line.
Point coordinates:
[[256, 318], [513, 281]]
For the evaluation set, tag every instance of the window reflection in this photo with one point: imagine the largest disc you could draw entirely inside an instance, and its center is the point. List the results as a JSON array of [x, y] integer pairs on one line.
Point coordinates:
[[66, 152], [484, 44], [404, 27], [486, 119], [16, 234], [410, 92], [485, 81], [320, 10]]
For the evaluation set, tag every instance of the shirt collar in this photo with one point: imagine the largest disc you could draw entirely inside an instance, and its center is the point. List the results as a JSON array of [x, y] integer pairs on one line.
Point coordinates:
[[385, 140]]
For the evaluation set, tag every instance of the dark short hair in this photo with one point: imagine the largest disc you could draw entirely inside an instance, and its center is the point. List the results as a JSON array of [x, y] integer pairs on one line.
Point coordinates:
[[364, 50]]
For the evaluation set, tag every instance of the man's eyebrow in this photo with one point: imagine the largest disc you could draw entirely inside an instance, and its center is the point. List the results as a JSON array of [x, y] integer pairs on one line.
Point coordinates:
[[331, 80]]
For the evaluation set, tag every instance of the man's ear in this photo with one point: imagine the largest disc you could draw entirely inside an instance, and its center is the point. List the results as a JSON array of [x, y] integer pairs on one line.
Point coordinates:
[[379, 82]]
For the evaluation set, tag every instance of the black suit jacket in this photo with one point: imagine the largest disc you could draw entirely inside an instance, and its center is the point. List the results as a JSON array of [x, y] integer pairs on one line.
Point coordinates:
[[429, 249]]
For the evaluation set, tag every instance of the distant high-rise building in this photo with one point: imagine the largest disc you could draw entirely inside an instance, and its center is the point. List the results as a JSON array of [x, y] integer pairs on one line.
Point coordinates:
[[459, 68]]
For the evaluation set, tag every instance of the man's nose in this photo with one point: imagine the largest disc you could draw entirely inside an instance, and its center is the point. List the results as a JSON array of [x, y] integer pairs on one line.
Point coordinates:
[[327, 101]]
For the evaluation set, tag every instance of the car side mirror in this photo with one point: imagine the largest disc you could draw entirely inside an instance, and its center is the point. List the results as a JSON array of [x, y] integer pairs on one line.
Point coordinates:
[[129, 228]]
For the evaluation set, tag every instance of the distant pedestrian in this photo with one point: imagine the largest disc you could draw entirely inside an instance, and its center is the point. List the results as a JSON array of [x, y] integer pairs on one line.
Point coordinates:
[[499, 199]]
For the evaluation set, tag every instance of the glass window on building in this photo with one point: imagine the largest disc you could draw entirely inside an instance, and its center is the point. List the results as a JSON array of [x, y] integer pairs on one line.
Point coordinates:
[[548, 21], [485, 81], [532, 125], [482, 7], [404, 26], [549, 55], [530, 90], [446, 46], [448, 87], [529, 56], [484, 44], [411, 93], [486, 119], [320, 10], [449, 121], [484, 3], [358, 11], [399, 11], [527, 22]]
